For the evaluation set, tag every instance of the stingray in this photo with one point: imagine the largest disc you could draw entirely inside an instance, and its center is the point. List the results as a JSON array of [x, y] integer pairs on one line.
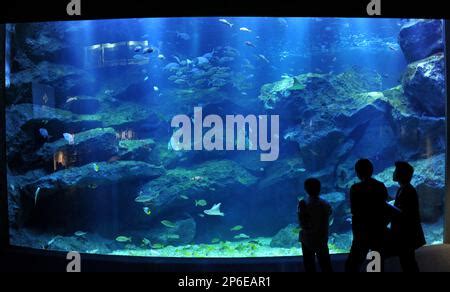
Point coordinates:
[[214, 211]]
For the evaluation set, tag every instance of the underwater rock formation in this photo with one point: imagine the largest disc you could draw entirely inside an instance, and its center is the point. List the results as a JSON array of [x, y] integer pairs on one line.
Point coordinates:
[[431, 200], [88, 243], [424, 84], [23, 122], [341, 210], [346, 131], [295, 95], [137, 92], [61, 186], [212, 181], [65, 79], [284, 180], [428, 182], [373, 122], [17, 211], [143, 120], [45, 41], [286, 237], [90, 146], [281, 172], [88, 175], [136, 149], [83, 105], [44, 54], [354, 109], [420, 39], [29, 118], [121, 123]]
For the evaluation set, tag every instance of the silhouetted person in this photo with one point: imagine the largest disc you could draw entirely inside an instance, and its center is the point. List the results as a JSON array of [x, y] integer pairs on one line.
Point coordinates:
[[406, 230], [314, 215], [368, 203]]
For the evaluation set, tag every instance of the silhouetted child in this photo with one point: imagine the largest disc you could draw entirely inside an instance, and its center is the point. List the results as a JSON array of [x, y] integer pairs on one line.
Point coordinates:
[[368, 201], [406, 229], [314, 215]]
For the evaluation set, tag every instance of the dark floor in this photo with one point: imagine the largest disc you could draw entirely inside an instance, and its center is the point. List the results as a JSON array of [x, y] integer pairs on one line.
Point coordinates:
[[431, 259], [434, 258]]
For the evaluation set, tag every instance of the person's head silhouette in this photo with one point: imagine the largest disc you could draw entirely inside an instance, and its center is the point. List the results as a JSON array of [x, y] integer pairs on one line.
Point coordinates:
[[312, 187], [403, 172], [364, 169]]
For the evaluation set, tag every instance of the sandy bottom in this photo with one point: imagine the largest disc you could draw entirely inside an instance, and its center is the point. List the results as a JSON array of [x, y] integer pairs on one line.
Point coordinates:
[[258, 247]]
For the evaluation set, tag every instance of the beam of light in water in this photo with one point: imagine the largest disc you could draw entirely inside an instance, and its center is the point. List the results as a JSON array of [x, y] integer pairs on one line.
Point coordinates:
[[9, 31]]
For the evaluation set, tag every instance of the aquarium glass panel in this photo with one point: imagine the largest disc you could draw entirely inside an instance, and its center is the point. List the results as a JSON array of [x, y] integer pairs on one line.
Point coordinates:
[[192, 137]]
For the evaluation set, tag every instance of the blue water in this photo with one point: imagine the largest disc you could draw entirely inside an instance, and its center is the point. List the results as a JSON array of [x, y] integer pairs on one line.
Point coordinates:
[[258, 199]]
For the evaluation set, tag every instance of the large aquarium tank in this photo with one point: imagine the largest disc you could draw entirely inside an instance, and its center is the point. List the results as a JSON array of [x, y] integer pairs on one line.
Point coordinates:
[[192, 137]]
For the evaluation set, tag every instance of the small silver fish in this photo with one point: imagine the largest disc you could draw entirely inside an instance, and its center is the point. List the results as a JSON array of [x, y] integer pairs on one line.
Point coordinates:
[[36, 195], [70, 99], [224, 21], [262, 57], [80, 234]]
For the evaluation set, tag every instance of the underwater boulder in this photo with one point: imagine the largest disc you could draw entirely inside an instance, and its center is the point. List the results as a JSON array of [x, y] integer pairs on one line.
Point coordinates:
[[370, 133], [17, 211], [136, 149], [337, 200], [143, 121], [72, 197], [315, 143], [29, 118], [324, 142], [277, 192], [420, 39], [282, 171], [341, 211], [138, 92], [360, 109], [65, 80], [429, 180], [378, 129], [161, 155], [90, 146], [47, 41], [21, 61], [424, 84], [83, 105], [90, 175], [419, 136], [23, 122], [287, 237], [340, 242], [292, 94], [431, 201], [89, 243], [212, 181], [311, 92]]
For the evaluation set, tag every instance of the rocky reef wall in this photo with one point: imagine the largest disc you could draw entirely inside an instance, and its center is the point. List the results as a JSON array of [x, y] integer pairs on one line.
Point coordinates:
[[119, 152]]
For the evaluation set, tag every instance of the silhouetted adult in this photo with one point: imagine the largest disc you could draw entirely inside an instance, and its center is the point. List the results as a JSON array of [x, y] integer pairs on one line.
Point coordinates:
[[314, 215], [406, 229], [368, 204]]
